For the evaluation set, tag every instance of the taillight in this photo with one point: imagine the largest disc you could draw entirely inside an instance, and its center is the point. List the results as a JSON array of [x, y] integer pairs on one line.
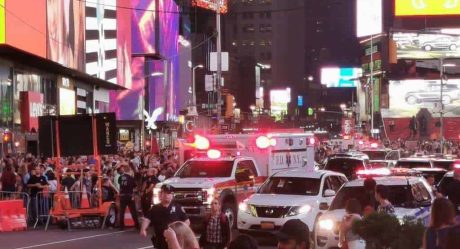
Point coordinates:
[[213, 154], [312, 141], [201, 142], [374, 145]]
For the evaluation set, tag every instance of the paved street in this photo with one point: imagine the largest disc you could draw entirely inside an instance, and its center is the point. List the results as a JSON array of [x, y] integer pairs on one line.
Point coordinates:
[[78, 239]]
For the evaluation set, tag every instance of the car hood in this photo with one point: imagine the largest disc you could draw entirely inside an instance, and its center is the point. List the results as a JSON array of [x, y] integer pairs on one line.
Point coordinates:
[[281, 200], [193, 182], [338, 214]]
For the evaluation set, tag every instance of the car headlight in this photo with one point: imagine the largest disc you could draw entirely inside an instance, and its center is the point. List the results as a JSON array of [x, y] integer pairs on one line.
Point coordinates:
[[247, 208], [299, 210], [208, 195], [326, 224]]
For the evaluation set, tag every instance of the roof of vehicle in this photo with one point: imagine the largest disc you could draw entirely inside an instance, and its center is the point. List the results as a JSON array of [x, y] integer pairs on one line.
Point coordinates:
[[415, 159], [226, 158], [352, 155], [303, 173], [425, 169], [386, 180]]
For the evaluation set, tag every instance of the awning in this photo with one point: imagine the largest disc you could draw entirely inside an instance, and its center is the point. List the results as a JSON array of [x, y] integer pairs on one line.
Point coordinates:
[[25, 58]]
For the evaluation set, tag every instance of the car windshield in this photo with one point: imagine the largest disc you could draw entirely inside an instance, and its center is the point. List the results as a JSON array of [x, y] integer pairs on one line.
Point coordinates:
[[347, 166], [291, 186], [206, 169], [400, 196], [413, 164], [447, 165], [375, 154]]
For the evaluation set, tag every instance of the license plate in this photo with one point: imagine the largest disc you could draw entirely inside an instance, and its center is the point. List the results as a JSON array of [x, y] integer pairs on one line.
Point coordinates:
[[267, 225]]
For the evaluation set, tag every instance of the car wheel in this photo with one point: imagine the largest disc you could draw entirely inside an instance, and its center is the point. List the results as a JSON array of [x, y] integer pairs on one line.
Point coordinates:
[[111, 217], [446, 100], [427, 48], [411, 100], [453, 47], [230, 211]]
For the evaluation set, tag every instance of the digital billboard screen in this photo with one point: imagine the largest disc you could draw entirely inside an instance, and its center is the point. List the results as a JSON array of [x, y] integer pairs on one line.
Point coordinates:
[[368, 17], [407, 97], [279, 100], [340, 77], [67, 101], [427, 7], [436, 43]]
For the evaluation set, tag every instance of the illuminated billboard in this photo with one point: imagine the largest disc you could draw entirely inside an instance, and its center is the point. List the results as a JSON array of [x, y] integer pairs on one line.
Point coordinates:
[[427, 45], [101, 39], [66, 101], [279, 100], [427, 7], [212, 5], [340, 77], [407, 97], [368, 17]]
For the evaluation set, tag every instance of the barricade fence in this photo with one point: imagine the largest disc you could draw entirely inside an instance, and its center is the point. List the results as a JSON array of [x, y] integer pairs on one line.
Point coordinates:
[[8, 200]]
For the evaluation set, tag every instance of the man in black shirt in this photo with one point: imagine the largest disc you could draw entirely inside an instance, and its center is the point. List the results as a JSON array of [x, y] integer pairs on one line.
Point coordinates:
[[150, 181], [127, 186], [452, 191], [36, 183], [161, 215]]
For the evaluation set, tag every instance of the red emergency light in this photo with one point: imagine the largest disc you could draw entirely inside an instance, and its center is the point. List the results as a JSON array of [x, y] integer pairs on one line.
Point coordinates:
[[262, 142], [312, 141], [361, 142], [201, 142], [214, 154], [374, 145], [374, 172]]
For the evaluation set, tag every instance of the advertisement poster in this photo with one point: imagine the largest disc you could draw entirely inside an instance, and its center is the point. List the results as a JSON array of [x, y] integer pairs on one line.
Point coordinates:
[[369, 17], [427, 45], [279, 100], [348, 127], [340, 77], [426, 7], [407, 97]]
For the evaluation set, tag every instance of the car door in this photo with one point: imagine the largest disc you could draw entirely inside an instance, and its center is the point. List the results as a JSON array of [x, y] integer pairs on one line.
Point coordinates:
[[333, 183], [245, 177]]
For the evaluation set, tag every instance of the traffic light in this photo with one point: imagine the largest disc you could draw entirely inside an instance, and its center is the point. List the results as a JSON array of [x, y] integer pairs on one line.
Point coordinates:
[[7, 137], [310, 111]]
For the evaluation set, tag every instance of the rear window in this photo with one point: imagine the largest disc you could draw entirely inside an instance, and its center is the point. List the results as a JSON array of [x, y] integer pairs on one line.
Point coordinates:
[[291, 186], [413, 164], [447, 165], [400, 196], [347, 166]]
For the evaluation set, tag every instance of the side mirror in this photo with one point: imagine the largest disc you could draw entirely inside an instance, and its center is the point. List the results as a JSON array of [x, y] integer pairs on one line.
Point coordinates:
[[329, 193], [323, 206]]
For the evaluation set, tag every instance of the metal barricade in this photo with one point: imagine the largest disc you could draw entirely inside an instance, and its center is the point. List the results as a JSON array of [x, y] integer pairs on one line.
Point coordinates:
[[6, 195]]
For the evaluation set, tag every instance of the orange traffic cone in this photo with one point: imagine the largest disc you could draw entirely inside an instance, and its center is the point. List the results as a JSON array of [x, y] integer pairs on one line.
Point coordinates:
[[67, 203], [129, 222], [84, 198]]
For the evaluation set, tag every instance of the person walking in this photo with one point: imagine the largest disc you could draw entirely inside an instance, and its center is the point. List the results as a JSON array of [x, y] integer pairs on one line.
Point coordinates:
[[161, 215], [382, 193], [442, 216], [348, 239], [216, 228], [127, 186]]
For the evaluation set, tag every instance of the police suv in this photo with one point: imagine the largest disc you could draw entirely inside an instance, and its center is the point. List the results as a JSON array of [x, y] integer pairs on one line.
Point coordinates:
[[410, 195], [290, 194]]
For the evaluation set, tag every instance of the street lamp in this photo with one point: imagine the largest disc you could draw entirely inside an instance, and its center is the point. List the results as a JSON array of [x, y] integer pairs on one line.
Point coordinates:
[[193, 111]]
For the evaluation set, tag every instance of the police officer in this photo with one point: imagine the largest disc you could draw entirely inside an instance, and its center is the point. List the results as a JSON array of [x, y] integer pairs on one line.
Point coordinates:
[[161, 215], [127, 186]]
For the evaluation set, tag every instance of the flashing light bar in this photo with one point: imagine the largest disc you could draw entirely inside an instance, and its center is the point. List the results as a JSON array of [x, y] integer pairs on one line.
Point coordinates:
[[214, 154], [456, 166], [374, 172], [201, 142]]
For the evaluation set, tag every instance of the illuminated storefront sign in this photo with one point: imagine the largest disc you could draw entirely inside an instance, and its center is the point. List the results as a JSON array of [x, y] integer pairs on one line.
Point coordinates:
[[427, 7], [31, 108]]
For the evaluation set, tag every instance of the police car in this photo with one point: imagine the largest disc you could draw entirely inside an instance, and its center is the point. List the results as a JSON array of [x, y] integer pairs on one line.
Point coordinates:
[[290, 194], [411, 196], [348, 163]]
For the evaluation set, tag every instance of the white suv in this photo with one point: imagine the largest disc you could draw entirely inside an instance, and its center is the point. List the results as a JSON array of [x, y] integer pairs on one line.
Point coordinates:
[[411, 196], [289, 194]]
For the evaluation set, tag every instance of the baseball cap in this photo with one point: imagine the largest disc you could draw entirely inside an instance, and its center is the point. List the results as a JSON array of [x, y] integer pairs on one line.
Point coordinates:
[[294, 229], [167, 188]]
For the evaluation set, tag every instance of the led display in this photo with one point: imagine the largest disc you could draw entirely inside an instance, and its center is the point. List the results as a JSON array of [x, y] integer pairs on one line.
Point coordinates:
[[368, 17], [407, 97], [427, 7], [66, 101], [340, 77], [435, 43], [279, 100]]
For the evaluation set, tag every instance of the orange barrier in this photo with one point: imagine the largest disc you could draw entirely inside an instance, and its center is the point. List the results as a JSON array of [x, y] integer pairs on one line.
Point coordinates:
[[129, 222], [67, 204], [84, 198], [12, 216]]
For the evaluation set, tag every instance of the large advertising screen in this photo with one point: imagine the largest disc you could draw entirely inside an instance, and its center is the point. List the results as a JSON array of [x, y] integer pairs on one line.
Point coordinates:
[[407, 97], [66, 32], [427, 7], [279, 100], [101, 39], [67, 101], [340, 77], [436, 43], [368, 17]]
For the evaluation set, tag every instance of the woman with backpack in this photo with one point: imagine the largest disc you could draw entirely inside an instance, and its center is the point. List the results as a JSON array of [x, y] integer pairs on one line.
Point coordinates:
[[216, 228]]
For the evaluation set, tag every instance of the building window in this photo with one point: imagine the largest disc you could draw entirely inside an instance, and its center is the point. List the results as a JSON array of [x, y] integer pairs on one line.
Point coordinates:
[[234, 44], [252, 43], [265, 14], [265, 1], [262, 43], [248, 15], [244, 42], [265, 28], [250, 28]]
